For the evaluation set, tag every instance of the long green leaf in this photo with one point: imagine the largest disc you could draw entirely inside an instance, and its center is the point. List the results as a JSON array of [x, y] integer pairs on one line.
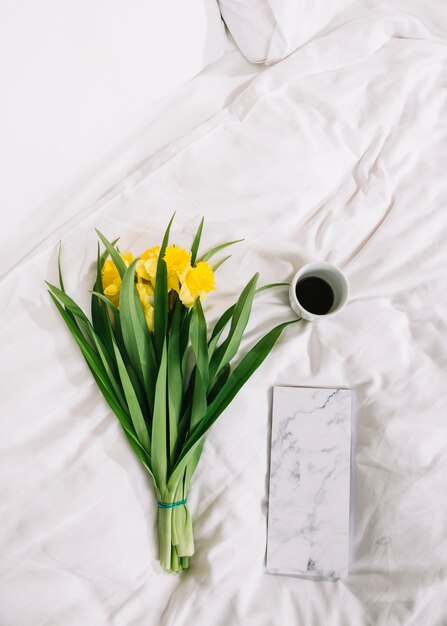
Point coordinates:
[[61, 283], [220, 381], [89, 354], [141, 454], [114, 254], [127, 427], [121, 415], [159, 449], [75, 310], [220, 262], [97, 309], [103, 383], [139, 390], [271, 286], [183, 428], [110, 374], [175, 380], [249, 364], [161, 297], [109, 303], [184, 338], [227, 315], [100, 312], [199, 403], [135, 411], [101, 351], [96, 342], [207, 256], [239, 320], [199, 343], [59, 270], [198, 411], [97, 363], [136, 335], [196, 242]]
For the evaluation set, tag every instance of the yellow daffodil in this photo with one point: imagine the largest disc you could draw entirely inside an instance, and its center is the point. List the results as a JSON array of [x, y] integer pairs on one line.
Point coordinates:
[[111, 280], [146, 267], [146, 297], [178, 264], [198, 282]]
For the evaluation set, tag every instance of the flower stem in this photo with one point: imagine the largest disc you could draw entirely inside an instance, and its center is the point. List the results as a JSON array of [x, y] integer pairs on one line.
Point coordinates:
[[164, 537], [175, 537]]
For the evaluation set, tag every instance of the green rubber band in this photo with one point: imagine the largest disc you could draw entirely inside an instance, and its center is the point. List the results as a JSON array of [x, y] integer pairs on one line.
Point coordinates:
[[171, 505]]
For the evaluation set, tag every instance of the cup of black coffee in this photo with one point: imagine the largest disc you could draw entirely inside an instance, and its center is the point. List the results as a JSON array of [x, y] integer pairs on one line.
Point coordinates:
[[318, 290]]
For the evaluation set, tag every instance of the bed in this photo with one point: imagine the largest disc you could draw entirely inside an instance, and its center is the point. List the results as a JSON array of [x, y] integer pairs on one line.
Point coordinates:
[[336, 152]]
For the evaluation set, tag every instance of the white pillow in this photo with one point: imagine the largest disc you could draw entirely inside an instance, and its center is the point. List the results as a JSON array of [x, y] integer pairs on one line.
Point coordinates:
[[266, 31], [78, 77]]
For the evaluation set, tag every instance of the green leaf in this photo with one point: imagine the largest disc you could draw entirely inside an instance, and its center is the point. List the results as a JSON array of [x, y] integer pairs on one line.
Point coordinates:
[[101, 351], [135, 411], [126, 426], [241, 314], [73, 308], [213, 251], [220, 381], [89, 354], [184, 338], [159, 453], [271, 286], [97, 361], [219, 328], [183, 428], [227, 315], [106, 362], [96, 307], [100, 312], [196, 242], [221, 262], [59, 270], [122, 417], [61, 280], [199, 404], [103, 383], [248, 365], [109, 303], [161, 297], [136, 334], [140, 452], [114, 254], [175, 380], [198, 411], [198, 339], [142, 397]]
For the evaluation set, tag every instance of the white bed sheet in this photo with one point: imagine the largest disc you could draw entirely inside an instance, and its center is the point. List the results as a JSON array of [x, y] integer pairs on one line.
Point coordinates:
[[77, 78], [160, 124], [338, 153]]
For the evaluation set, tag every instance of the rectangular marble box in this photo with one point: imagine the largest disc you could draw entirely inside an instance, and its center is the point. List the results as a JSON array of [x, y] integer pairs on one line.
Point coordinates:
[[308, 519]]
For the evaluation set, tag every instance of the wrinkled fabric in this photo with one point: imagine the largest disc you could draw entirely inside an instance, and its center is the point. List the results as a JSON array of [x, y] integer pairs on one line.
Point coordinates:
[[337, 153], [78, 79]]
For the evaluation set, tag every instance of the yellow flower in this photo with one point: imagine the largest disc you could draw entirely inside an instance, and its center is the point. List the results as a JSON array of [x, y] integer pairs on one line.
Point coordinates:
[[145, 294], [146, 297], [198, 282], [146, 266], [178, 263], [111, 280], [177, 259]]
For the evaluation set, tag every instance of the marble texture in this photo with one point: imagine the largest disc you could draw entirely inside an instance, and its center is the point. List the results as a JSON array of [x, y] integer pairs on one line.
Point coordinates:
[[308, 519]]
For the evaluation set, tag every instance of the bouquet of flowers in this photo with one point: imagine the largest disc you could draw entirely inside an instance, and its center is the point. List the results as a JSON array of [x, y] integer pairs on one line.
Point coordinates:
[[166, 377]]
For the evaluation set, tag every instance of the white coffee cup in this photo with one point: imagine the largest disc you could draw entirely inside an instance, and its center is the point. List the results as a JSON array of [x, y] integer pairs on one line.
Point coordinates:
[[333, 276]]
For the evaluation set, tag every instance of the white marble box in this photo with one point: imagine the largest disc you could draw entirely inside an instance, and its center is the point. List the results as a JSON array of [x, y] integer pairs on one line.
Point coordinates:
[[308, 519]]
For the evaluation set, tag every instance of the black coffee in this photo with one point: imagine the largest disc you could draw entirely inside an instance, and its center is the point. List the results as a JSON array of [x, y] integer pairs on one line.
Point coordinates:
[[315, 295]]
